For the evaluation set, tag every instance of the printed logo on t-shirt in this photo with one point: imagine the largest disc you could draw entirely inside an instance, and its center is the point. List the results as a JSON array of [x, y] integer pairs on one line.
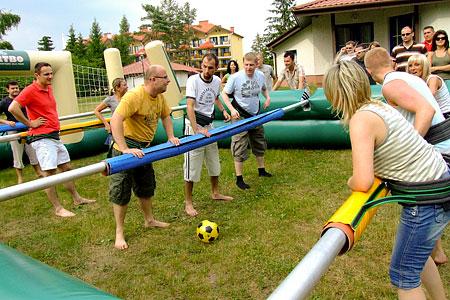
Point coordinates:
[[250, 89], [207, 97]]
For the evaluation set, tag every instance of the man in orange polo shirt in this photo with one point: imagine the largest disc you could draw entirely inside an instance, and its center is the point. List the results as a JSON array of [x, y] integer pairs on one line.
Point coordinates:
[[43, 124]]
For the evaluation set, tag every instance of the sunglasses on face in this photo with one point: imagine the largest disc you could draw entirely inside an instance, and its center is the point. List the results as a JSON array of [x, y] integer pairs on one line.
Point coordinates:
[[441, 38], [406, 34]]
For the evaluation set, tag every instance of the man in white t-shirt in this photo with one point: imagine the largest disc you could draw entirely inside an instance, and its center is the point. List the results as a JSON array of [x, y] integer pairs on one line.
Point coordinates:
[[202, 91], [245, 86]]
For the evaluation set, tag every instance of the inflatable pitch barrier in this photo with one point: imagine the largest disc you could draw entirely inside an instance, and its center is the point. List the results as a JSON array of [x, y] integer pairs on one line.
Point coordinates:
[[22, 277]]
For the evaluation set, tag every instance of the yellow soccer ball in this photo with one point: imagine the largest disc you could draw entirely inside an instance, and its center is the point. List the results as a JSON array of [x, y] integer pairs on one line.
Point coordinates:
[[207, 231]]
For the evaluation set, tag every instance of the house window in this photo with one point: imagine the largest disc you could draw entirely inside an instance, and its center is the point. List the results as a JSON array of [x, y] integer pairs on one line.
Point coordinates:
[[214, 40], [359, 33], [395, 26], [224, 39]]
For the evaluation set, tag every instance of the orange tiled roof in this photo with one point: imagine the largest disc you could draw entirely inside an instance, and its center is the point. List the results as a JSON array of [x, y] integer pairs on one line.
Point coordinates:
[[319, 5], [204, 26], [207, 45], [136, 68]]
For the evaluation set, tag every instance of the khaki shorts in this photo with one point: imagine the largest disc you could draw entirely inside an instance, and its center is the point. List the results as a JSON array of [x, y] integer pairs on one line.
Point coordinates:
[[193, 160], [241, 142], [50, 153], [140, 180]]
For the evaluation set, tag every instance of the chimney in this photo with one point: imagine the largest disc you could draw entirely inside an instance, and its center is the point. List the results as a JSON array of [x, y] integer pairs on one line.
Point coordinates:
[[232, 29]]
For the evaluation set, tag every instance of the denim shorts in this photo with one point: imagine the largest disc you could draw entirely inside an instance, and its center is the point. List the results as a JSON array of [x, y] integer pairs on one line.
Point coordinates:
[[419, 228]]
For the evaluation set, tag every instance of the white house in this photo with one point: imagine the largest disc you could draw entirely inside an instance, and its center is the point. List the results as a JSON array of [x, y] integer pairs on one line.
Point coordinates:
[[325, 25]]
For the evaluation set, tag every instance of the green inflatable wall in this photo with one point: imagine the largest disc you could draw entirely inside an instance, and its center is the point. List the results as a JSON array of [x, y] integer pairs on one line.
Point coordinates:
[[22, 277]]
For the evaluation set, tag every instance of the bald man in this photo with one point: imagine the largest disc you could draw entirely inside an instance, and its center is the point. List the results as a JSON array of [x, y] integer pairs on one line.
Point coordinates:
[[133, 126]]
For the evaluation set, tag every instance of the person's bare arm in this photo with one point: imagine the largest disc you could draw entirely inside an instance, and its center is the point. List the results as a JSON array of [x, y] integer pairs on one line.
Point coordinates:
[[16, 109], [190, 105], [234, 113], [119, 138], [364, 127], [98, 113], [168, 127], [398, 92], [434, 84]]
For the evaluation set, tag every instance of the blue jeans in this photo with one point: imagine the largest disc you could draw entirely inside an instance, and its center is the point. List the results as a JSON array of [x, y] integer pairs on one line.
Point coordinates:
[[419, 228]]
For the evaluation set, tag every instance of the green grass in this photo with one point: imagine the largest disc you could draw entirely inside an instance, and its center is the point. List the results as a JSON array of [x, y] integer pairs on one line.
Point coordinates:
[[264, 233]]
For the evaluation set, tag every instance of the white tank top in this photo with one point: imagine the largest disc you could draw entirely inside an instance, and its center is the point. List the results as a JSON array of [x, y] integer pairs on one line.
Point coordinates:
[[442, 96], [404, 155], [422, 88]]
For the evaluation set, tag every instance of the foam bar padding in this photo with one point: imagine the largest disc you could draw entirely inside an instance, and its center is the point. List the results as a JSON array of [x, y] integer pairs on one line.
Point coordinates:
[[128, 161]]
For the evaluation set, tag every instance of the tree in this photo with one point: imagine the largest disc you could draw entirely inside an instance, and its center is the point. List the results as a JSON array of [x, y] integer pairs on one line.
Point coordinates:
[[95, 46], [122, 42], [6, 45], [281, 20], [7, 21], [72, 41], [173, 24], [45, 44], [80, 47], [124, 26], [259, 46]]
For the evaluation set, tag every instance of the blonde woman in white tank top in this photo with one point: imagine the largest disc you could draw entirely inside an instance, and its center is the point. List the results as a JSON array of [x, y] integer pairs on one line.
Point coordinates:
[[385, 144], [419, 66]]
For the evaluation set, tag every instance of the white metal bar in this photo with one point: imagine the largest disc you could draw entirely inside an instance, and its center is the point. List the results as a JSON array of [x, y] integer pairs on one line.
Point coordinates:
[[46, 182], [301, 281]]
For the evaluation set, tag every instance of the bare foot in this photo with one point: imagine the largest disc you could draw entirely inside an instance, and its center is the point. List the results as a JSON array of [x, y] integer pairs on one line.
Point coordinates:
[[64, 213], [81, 201], [190, 210], [155, 223], [219, 196], [120, 243], [440, 258]]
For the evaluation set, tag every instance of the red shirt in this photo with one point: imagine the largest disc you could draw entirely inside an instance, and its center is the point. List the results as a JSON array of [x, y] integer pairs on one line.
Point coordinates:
[[427, 45], [40, 102]]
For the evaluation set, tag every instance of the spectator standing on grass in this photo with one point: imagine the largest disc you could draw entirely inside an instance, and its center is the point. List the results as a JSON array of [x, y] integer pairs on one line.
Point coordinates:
[[267, 70], [43, 133], [419, 66], [232, 67], [346, 53], [360, 52], [440, 55], [428, 32], [17, 148], [407, 48], [293, 74]]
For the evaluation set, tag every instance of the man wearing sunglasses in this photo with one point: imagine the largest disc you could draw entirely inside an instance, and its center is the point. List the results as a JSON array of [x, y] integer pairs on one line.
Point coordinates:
[[402, 52]]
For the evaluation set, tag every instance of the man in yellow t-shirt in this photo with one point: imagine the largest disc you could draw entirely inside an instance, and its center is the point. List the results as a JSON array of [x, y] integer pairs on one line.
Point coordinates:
[[133, 126]]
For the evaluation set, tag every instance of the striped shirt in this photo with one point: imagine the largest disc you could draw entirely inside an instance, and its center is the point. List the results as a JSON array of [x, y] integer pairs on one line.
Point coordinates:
[[402, 54], [404, 155]]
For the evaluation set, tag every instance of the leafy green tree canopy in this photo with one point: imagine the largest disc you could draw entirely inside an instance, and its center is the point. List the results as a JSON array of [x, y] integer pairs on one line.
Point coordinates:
[[173, 23]]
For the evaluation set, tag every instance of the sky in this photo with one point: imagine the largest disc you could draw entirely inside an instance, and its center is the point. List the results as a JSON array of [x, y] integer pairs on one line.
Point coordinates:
[[54, 17]]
